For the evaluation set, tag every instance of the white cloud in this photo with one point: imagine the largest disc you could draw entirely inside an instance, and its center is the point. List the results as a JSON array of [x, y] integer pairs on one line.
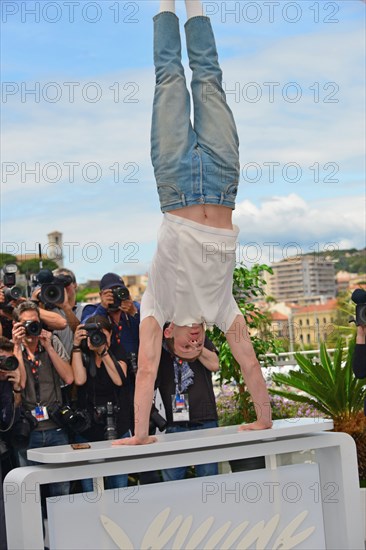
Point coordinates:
[[108, 132], [294, 225]]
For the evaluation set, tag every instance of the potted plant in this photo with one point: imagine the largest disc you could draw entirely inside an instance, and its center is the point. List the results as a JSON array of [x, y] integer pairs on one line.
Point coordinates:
[[331, 388]]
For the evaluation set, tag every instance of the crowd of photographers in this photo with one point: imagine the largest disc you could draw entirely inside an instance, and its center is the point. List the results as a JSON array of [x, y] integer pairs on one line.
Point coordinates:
[[64, 379], [67, 373]]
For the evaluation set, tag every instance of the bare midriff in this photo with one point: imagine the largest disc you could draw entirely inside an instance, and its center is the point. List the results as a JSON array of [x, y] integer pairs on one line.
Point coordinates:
[[211, 215]]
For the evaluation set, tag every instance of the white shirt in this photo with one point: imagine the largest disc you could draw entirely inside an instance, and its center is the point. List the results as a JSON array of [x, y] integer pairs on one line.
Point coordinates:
[[191, 275]]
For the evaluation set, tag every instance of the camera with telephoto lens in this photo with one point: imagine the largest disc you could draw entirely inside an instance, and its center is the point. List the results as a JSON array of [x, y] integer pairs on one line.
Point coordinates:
[[52, 288], [95, 334], [65, 417], [120, 294], [107, 415], [359, 298], [33, 328], [22, 429], [8, 363], [156, 421], [11, 292]]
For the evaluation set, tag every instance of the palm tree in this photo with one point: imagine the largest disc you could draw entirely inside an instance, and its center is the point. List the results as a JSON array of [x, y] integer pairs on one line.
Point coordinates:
[[330, 387]]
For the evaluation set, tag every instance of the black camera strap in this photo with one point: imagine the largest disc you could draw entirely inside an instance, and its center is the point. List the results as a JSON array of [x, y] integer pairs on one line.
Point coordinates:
[[34, 365], [118, 368]]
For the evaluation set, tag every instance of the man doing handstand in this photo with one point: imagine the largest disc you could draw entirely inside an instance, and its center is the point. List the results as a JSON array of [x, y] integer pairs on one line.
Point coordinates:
[[197, 172]]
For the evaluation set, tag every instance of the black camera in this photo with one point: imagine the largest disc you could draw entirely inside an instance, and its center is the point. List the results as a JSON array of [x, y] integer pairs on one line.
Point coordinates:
[[106, 415], [52, 288], [359, 298], [33, 328], [11, 292], [120, 294], [65, 417], [8, 362], [156, 421], [22, 429], [96, 335]]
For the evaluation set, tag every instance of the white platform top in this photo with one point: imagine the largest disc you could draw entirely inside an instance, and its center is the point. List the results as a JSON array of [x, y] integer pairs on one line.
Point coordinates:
[[193, 440]]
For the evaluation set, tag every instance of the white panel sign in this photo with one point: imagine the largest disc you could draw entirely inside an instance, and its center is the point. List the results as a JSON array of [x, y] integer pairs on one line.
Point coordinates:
[[275, 509]]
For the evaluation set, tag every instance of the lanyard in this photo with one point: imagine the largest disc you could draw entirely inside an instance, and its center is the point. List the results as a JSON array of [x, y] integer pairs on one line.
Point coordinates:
[[178, 388], [35, 364]]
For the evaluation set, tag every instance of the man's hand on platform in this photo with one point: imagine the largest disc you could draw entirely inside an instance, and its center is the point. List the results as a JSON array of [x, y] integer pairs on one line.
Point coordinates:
[[257, 425], [135, 441]]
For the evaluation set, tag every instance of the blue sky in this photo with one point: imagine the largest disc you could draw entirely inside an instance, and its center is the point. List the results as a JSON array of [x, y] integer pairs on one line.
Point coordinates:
[[75, 152]]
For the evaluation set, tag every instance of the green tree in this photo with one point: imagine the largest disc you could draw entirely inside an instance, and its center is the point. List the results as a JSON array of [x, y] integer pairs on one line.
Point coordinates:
[[81, 293], [32, 266], [247, 284], [7, 259]]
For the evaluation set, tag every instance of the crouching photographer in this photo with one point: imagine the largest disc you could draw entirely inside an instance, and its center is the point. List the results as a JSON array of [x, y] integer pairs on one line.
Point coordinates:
[[10, 416], [104, 388], [46, 366], [359, 356]]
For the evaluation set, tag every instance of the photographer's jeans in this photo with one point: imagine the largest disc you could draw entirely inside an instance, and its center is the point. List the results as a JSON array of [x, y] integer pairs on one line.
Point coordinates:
[[201, 470], [196, 164], [47, 438], [111, 482]]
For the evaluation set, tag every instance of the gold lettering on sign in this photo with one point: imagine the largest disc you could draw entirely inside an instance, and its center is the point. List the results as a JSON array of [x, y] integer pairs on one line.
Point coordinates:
[[161, 531]]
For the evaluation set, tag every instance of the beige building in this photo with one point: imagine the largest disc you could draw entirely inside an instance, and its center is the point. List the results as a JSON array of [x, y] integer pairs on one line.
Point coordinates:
[[302, 280], [51, 251], [349, 281], [305, 325], [136, 284]]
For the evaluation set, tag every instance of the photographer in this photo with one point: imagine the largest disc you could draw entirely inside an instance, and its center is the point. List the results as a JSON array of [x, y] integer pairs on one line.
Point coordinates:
[[46, 364], [187, 393], [10, 388], [50, 319], [104, 391], [359, 356], [123, 313], [68, 308]]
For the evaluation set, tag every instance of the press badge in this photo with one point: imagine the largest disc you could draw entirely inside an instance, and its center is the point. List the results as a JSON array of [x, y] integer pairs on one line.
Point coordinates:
[[180, 407], [40, 413]]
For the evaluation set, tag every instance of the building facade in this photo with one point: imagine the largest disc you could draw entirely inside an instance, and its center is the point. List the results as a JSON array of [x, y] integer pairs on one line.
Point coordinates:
[[302, 280]]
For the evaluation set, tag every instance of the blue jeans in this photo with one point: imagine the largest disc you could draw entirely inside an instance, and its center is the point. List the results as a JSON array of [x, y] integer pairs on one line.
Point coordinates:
[[199, 164], [201, 470], [111, 482], [47, 438]]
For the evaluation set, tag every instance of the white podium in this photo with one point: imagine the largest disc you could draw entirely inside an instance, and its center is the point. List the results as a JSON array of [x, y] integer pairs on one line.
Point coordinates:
[[307, 497]]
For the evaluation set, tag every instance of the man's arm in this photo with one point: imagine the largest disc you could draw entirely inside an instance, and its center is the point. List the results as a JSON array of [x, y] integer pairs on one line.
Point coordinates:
[[241, 346], [61, 365], [18, 333], [71, 318], [151, 336], [209, 359]]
